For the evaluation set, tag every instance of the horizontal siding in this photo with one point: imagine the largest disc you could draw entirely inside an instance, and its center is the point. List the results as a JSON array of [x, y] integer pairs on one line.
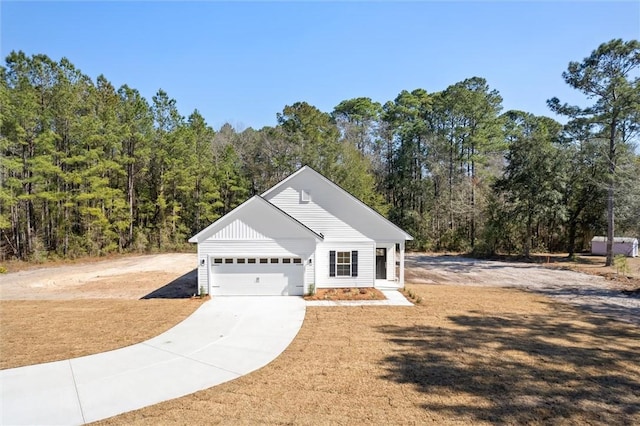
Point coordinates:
[[203, 272], [366, 265], [314, 216], [348, 217], [310, 273]]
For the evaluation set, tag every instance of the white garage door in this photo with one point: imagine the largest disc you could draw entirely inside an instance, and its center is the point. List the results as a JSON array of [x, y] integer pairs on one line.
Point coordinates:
[[257, 276]]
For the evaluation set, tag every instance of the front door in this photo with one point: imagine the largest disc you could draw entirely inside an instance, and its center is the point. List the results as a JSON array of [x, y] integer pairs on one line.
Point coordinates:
[[381, 263]]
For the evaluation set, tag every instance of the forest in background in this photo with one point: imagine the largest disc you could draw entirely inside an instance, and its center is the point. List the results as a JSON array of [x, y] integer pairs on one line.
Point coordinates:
[[90, 169]]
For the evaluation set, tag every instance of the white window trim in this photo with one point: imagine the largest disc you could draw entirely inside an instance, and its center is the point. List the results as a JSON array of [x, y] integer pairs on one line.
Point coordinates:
[[338, 264]]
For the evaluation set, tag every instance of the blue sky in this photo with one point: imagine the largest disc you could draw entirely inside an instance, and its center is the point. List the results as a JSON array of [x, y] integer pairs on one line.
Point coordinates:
[[242, 62]]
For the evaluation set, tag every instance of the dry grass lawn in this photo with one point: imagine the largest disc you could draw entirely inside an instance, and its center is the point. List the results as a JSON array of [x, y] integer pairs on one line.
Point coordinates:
[[35, 331], [464, 355]]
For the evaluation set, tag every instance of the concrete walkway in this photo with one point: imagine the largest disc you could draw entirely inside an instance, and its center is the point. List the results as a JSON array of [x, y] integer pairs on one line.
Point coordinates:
[[225, 338]]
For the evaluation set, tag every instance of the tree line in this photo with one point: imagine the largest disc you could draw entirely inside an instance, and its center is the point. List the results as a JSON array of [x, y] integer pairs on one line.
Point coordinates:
[[88, 169]]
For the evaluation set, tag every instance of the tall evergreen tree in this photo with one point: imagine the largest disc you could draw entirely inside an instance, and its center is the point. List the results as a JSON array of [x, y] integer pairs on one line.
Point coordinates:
[[534, 176], [135, 124], [608, 76], [313, 134]]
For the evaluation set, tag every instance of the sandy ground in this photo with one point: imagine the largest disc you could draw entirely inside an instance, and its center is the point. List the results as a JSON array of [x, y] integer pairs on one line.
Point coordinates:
[[169, 275], [591, 292], [173, 275]]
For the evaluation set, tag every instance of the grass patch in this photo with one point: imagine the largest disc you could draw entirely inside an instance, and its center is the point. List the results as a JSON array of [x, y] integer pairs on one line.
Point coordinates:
[[36, 331], [413, 296], [466, 355]]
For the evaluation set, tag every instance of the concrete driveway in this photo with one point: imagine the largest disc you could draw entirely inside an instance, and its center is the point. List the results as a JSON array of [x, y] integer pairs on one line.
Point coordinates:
[[227, 337]]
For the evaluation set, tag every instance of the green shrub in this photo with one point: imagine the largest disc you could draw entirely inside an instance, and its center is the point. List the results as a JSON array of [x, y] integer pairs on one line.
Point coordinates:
[[312, 289], [621, 264]]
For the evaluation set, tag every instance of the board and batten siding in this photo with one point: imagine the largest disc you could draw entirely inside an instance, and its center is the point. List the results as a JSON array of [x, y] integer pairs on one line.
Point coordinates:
[[314, 216], [366, 265], [239, 230]]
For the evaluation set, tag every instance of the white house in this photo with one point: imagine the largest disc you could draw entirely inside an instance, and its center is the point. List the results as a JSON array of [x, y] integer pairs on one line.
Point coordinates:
[[305, 232], [621, 245]]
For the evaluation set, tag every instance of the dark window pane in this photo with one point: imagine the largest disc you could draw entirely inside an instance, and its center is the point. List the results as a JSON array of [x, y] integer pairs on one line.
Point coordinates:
[[343, 270]]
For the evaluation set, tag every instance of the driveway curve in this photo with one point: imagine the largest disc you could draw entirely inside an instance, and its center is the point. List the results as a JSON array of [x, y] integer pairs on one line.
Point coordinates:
[[227, 337]]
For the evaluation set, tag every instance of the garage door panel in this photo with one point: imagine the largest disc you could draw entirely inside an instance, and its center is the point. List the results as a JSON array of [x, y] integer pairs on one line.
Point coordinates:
[[257, 279]]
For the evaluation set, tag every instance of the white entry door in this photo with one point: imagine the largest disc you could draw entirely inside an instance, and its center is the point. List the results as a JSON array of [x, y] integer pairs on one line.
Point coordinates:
[[257, 277]]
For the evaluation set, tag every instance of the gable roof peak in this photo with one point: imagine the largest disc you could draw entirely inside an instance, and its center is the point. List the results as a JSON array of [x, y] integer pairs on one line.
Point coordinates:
[[229, 217], [308, 169]]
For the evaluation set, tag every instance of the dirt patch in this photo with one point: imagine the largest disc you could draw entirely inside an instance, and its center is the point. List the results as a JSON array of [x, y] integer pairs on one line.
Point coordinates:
[[466, 355], [626, 278], [131, 277], [588, 291], [368, 293], [71, 310], [36, 331]]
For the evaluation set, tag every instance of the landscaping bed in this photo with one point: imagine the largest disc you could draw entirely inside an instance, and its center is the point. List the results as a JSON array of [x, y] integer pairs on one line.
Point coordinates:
[[365, 293]]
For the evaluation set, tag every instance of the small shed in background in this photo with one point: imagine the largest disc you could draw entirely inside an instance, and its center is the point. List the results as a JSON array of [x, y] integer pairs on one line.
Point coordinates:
[[621, 245]]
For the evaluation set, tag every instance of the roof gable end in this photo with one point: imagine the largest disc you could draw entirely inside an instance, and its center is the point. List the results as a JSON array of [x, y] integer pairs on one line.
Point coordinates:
[[352, 202], [260, 210]]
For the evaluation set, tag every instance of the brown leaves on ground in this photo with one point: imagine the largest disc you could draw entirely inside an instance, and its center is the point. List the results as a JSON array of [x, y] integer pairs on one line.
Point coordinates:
[[36, 331], [366, 293], [465, 355]]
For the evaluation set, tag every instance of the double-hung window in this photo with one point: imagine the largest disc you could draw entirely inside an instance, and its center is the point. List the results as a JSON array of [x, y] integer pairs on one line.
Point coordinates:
[[343, 263]]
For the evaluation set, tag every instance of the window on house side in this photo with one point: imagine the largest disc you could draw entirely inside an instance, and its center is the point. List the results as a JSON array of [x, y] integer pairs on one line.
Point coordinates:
[[343, 264]]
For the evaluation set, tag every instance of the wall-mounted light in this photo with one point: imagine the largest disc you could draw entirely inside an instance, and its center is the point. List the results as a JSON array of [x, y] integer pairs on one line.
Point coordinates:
[[202, 262]]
